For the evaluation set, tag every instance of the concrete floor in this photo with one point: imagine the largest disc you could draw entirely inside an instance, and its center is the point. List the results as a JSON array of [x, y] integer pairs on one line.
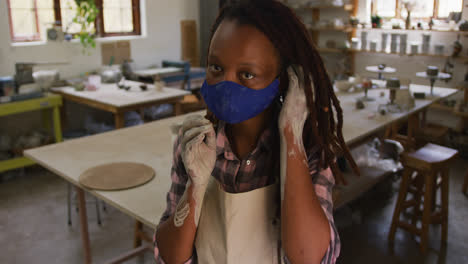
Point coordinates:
[[33, 225]]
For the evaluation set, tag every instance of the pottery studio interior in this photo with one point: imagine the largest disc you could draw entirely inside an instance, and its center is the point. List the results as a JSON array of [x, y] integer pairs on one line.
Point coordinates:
[[346, 120]]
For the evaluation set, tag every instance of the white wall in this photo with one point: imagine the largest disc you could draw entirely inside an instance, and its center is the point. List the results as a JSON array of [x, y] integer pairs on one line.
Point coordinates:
[[161, 40]]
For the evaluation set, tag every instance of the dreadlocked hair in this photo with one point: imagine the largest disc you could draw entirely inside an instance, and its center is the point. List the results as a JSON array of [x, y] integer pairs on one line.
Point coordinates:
[[294, 46]]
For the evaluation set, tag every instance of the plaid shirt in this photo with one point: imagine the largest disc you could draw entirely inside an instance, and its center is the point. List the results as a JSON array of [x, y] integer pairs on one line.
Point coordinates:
[[259, 169]]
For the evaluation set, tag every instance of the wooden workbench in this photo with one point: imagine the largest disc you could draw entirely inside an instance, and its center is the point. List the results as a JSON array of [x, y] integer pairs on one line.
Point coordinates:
[[360, 123], [151, 144], [118, 101]]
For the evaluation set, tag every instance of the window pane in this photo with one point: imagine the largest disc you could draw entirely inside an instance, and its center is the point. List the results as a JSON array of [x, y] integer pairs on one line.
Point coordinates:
[[45, 15], [24, 22], [44, 4], [19, 4], [68, 12], [386, 8], [423, 8], [118, 16], [23, 19], [447, 6]]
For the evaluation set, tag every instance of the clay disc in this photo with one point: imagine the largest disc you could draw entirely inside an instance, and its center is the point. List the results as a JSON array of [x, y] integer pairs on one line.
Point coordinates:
[[117, 176]]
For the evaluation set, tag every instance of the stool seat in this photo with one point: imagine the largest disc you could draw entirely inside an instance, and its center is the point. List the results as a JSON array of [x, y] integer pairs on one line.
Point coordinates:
[[429, 157]]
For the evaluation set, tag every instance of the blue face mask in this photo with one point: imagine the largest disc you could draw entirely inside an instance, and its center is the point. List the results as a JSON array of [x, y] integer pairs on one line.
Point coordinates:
[[234, 103]]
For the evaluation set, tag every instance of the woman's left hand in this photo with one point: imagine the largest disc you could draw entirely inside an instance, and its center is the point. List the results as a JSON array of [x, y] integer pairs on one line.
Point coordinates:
[[294, 112]]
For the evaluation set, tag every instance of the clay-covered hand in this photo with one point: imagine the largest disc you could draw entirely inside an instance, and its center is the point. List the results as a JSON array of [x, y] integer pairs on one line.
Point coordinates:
[[198, 148], [294, 111], [291, 122], [198, 143]]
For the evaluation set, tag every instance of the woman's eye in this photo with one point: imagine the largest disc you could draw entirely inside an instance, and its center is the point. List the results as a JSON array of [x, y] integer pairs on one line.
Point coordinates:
[[247, 76], [215, 68]]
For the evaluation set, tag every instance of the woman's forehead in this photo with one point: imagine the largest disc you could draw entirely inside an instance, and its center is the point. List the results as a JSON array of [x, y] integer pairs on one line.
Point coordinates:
[[238, 42]]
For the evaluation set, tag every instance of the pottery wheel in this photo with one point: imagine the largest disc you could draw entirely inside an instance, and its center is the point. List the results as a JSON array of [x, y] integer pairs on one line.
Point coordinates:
[[117, 176]]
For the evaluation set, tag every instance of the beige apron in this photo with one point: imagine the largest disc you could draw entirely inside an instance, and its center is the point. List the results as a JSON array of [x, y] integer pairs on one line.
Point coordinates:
[[238, 227]]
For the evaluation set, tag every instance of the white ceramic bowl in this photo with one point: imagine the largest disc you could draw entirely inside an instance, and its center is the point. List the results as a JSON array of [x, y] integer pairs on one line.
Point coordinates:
[[343, 85]]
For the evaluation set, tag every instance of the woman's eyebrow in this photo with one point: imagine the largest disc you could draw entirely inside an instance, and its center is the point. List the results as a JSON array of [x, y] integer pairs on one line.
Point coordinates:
[[251, 64], [213, 57]]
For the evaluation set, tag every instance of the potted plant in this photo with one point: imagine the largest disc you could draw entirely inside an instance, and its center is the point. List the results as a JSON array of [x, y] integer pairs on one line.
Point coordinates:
[[86, 14], [376, 21]]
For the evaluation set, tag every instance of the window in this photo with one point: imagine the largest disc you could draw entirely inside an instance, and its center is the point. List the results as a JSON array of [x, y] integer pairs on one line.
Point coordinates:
[[67, 13], [386, 8], [447, 6], [421, 8], [30, 19], [119, 17]]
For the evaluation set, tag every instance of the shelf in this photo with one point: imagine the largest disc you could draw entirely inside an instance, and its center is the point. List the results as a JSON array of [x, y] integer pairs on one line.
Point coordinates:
[[465, 33], [348, 7], [410, 55], [49, 105], [330, 50], [345, 29], [15, 163]]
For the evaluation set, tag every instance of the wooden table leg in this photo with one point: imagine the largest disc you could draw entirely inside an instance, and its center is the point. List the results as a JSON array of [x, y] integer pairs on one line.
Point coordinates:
[[138, 230], [84, 225], [178, 108], [119, 120]]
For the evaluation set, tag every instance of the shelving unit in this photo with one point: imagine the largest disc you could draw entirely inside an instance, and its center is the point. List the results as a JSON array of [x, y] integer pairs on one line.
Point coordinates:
[[49, 106], [347, 7], [464, 33], [330, 50], [350, 32], [346, 29], [409, 55]]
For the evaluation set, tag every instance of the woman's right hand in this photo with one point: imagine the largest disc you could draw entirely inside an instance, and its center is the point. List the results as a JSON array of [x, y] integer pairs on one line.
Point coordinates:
[[198, 149], [199, 156]]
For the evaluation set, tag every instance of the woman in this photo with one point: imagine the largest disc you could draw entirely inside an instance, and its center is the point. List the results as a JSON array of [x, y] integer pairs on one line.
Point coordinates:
[[273, 110]]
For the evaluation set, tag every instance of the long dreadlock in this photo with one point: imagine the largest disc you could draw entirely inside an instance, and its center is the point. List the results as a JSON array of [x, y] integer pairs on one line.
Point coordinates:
[[295, 47]]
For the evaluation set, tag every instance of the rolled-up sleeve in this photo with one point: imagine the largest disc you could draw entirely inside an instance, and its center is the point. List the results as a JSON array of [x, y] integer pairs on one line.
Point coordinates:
[[179, 179]]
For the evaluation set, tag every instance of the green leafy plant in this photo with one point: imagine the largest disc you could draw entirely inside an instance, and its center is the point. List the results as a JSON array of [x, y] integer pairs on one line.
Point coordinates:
[[86, 14], [376, 21]]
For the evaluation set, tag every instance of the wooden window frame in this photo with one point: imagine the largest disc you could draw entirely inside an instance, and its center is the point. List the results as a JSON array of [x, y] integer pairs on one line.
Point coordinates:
[[135, 16], [30, 38], [399, 7], [100, 32]]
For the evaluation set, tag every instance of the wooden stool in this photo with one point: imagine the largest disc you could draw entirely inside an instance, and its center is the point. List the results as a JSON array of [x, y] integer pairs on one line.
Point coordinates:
[[427, 169]]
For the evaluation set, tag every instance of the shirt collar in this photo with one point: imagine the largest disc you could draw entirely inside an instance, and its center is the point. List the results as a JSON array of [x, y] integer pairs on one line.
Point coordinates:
[[265, 142]]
